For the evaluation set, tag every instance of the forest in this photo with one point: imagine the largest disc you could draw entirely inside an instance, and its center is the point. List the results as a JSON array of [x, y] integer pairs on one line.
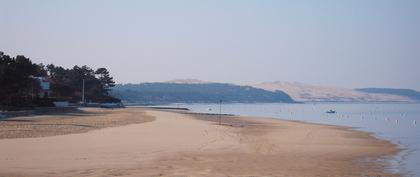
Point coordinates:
[[166, 93]]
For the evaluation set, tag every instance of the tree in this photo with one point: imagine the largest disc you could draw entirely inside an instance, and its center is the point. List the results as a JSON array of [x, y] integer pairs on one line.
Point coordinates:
[[17, 82], [105, 79], [68, 83], [61, 85]]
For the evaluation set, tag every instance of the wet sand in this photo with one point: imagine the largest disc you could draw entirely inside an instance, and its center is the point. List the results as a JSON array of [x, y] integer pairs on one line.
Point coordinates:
[[159, 143]]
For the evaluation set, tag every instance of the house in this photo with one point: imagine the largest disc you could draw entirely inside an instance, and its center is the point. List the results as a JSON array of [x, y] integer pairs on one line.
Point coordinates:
[[44, 84]]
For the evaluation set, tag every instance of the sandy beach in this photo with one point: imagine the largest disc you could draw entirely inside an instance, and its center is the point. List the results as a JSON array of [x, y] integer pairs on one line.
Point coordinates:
[[144, 142]]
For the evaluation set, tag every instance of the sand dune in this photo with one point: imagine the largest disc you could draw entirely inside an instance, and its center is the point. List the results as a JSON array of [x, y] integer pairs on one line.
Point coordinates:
[[312, 93], [176, 144]]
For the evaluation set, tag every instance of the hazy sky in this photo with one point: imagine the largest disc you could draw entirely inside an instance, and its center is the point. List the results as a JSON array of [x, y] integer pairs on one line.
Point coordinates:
[[354, 43]]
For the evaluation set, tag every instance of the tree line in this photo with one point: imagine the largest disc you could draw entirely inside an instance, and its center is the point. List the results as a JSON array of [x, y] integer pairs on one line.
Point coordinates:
[[166, 93], [20, 84]]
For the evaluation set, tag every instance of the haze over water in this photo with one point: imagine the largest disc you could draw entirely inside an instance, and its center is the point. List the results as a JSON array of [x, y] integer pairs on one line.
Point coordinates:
[[396, 122]]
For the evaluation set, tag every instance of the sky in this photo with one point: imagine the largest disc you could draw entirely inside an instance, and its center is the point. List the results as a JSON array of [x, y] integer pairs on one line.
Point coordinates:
[[346, 43]]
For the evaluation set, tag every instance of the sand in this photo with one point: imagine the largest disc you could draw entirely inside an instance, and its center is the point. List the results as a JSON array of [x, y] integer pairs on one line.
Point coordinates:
[[82, 121], [178, 144]]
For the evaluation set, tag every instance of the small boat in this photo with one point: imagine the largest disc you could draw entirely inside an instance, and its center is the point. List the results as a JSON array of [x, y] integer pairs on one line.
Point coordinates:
[[331, 112]]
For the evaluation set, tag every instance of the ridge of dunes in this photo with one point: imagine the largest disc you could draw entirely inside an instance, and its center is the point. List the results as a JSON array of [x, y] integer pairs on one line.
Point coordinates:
[[314, 93]]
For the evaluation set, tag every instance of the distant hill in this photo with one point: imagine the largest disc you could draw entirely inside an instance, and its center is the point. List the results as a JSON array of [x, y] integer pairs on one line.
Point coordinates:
[[312, 93], [187, 81], [415, 95], [197, 92]]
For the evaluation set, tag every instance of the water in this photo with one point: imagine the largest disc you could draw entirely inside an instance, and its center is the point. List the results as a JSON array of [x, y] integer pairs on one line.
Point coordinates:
[[399, 123]]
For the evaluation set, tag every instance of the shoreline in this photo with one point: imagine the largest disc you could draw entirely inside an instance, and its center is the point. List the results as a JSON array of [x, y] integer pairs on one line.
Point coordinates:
[[399, 148], [395, 159], [265, 142]]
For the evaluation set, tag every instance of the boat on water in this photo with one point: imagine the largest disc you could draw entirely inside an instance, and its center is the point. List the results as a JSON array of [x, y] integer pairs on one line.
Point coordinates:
[[331, 112]]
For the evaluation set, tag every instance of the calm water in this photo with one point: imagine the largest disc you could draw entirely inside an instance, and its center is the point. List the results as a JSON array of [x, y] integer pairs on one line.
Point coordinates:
[[399, 123]]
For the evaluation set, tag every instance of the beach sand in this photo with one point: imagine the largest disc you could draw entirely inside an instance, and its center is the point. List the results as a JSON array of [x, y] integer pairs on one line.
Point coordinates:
[[162, 143], [70, 122]]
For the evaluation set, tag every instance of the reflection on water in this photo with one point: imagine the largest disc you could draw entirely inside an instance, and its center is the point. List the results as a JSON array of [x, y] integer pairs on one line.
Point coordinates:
[[396, 122]]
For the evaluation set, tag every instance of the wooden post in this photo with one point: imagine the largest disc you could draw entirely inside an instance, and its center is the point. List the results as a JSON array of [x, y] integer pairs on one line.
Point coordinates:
[[220, 112], [83, 92]]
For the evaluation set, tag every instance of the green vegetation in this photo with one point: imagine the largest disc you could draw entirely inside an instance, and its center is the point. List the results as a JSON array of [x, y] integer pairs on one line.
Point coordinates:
[[66, 84], [20, 87], [164, 93]]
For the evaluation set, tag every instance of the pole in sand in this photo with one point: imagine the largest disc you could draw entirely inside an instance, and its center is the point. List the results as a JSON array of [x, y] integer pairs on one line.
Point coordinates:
[[83, 92], [220, 112]]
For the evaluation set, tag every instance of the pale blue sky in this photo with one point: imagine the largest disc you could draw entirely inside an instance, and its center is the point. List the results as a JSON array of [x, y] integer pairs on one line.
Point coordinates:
[[353, 43]]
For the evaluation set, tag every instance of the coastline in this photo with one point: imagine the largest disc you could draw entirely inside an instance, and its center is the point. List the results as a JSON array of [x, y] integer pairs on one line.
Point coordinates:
[[383, 159], [179, 144]]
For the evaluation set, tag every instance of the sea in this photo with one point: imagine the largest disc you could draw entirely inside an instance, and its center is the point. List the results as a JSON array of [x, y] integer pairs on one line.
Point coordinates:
[[397, 122]]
